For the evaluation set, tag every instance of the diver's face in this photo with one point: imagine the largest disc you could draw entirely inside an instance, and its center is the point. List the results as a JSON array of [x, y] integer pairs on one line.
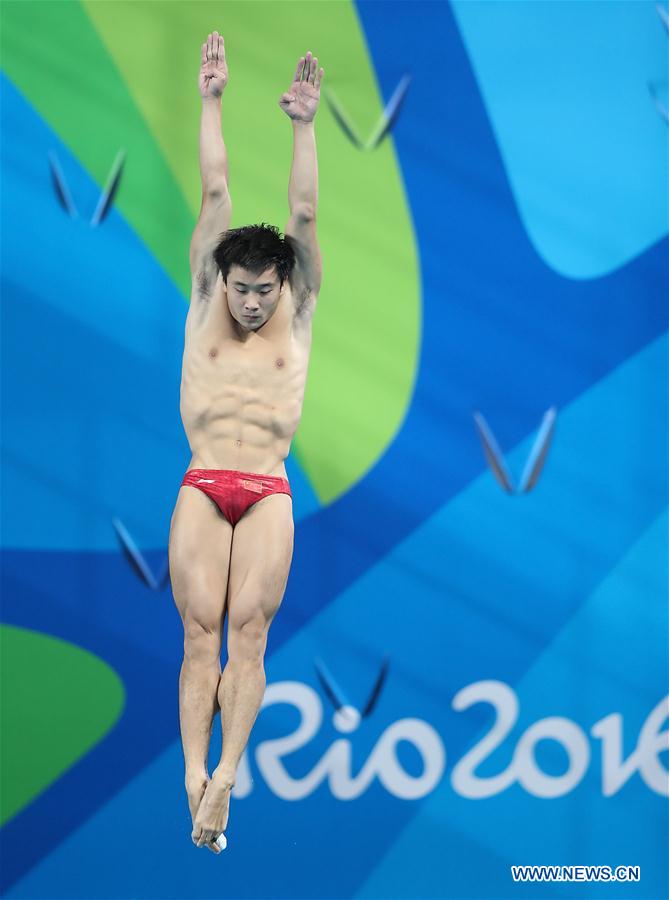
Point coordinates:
[[252, 298]]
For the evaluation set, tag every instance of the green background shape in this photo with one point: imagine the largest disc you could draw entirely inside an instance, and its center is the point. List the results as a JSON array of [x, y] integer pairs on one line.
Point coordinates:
[[124, 75], [53, 711]]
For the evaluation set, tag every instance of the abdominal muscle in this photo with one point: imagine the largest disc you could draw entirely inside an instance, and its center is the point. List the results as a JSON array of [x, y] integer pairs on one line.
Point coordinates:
[[241, 402]]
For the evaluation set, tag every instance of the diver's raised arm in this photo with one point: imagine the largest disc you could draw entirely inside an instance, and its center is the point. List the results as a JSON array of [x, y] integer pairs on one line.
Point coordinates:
[[300, 103]]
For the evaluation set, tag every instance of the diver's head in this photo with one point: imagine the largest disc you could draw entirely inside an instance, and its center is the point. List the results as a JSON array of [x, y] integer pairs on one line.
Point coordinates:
[[255, 262]]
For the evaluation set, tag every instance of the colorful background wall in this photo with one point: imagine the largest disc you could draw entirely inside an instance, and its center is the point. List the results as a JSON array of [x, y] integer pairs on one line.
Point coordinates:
[[469, 667]]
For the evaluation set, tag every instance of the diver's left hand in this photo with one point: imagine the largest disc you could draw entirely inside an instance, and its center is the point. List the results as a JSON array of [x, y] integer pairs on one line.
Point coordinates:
[[300, 102]]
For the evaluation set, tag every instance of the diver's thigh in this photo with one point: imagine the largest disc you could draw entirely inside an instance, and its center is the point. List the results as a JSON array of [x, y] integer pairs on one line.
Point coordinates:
[[260, 559], [199, 556]]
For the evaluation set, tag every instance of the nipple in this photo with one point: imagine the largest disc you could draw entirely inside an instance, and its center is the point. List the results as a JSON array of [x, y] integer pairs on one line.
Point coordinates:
[[213, 352], [279, 362]]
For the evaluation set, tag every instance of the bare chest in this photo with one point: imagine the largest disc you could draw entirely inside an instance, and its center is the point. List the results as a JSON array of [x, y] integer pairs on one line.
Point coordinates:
[[272, 363], [265, 365]]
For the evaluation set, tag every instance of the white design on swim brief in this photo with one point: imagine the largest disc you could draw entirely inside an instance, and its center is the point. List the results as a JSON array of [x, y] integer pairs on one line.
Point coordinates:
[[208, 480]]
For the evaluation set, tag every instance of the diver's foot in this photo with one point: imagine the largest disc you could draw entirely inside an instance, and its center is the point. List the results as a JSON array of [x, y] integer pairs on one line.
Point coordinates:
[[212, 816], [196, 785]]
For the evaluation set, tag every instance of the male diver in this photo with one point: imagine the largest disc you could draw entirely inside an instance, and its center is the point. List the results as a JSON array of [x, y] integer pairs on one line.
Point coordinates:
[[246, 352]]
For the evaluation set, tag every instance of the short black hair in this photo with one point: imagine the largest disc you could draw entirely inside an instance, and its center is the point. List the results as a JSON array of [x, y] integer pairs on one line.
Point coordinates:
[[256, 248]]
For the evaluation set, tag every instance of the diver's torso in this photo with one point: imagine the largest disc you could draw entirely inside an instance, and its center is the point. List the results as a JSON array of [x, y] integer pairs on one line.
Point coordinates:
[[241, 400]]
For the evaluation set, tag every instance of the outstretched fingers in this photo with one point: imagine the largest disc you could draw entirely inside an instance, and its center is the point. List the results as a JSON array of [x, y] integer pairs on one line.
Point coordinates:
[[298, 70], [307, 70], [307, 66], [213, 48]]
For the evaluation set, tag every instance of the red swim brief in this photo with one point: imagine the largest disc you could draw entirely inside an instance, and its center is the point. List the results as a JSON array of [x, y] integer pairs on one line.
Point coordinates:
[[234, 492]]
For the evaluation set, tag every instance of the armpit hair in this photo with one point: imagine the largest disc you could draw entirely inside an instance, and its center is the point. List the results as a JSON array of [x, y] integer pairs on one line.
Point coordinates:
[[302, 300], [203, 283]]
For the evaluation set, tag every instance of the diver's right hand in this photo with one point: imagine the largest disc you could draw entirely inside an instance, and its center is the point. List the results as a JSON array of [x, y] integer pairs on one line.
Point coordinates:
[[214, 69]]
